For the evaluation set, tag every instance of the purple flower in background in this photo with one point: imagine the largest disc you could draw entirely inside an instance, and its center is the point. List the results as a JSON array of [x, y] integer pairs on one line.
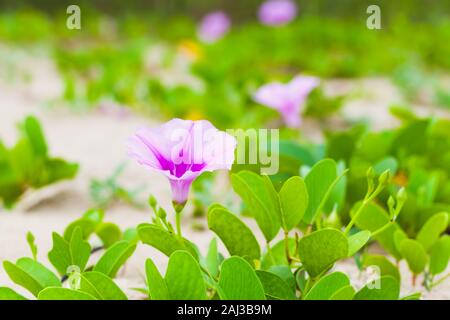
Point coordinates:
[[214, 26], [289, 99], [277, 12], [109, 108], [182, 150]]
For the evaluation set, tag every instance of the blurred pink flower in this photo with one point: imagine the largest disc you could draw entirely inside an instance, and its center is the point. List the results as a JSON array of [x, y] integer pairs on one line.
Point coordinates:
[[182, 150], [289, 99], [214, 26], [113, 109], [277, 12]]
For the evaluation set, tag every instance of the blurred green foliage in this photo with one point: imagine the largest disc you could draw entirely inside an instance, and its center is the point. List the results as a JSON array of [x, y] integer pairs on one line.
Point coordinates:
[[27, 164], [108, 59]]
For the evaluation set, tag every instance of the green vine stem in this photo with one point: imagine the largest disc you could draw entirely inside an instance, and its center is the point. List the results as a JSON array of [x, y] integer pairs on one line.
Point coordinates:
[[380, 230], [286, 247], [178, 209], [370, 196]]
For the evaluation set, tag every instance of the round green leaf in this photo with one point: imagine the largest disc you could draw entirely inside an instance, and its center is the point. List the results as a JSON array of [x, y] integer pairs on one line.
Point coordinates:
[[387, 268], [294, 201], [357, 241], [415, 255], [86, 225], [274, 286], [213, 258], [327, 286], [10, 294], [388, 289], [109, 233], [440, 255], [372, 218], [319, 250], [113, 258], [285, 273], [432, 229], [162, 240], [238, 281], [319, 183], [184, 278], [262, 200], [100, 286], [63, 294], [157, 287], [237, 237], [344, 293]]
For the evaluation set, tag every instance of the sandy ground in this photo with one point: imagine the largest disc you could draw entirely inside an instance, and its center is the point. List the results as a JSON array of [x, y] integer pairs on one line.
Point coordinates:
[[97, 142]]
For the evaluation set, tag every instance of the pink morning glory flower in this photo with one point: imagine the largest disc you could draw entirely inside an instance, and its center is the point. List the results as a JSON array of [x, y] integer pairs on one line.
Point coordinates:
[[277, 12], [214, 26], [288, 99], [182, 150]]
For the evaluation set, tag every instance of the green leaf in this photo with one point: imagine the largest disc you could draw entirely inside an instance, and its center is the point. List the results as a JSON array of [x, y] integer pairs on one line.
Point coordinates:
[[285, 273], [94, 215], [357, 241], [274, 286], [38, 271], [64, 294], [414, 253], [157, 287], [114, 257], [300, 279], [34, 134], [10, 294], [399, 236], [335, 200], [32, 245], [372, 218], [277, 254], [388, 163], [60, 256], [109, 233], [131, 235], [86, 225], [161, 239], [344, 293], [440, 255], [184, 278], [100, 286], [22, 278], [413, 296], [259, 196], [295, 154], [80, 250], [65, 254], [319, 183], [58, 169], [416, 132], [319, 250], [237, 237], [31, 275], [388, 289], [238, 281], [387, 268], [432, 229], [294, 201], [213, 258], [327, 286]]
